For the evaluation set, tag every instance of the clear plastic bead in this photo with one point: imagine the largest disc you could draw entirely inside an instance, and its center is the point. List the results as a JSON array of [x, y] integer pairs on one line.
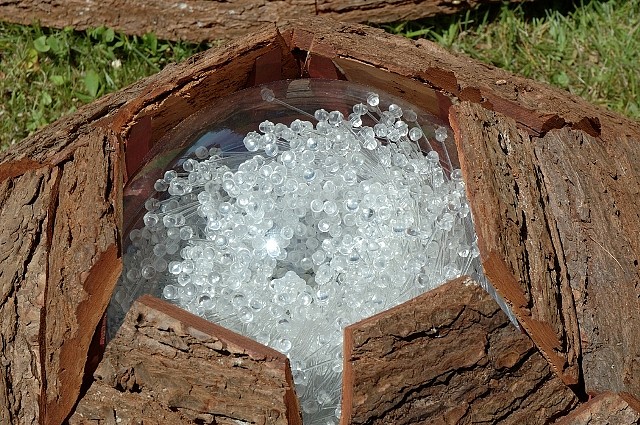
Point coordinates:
[[267, 94], [441, 134], [373, 99]]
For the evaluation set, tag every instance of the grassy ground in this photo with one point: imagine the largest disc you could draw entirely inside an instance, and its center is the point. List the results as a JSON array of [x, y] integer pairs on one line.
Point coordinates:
[[591, 48], [48, 73]]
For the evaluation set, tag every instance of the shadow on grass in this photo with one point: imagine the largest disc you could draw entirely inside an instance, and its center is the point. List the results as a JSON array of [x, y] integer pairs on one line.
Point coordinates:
[[437, 27]]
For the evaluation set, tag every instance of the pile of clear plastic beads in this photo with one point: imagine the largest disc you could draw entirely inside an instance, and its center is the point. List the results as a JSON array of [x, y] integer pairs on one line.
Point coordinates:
[[317, 224]]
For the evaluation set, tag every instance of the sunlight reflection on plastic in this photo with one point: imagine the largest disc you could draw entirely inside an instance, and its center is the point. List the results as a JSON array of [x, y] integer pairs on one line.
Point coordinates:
[[307, 227]]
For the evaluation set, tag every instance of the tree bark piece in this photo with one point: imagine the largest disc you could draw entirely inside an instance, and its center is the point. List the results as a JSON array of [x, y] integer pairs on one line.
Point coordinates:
[[606, 408], [513, 232], [555, 218], [58, 247], [168, 366], [448, 356], [593, 190], [24, 205], [200, 20]]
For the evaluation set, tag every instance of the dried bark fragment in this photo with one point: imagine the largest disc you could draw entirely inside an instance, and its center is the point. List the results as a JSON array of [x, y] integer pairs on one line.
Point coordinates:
[[513, 228], [593, 196], [198, 20], [448, 356], [58, 248], [83, 266], [168, 366], [24, 214], [606, 408], [556, 219]]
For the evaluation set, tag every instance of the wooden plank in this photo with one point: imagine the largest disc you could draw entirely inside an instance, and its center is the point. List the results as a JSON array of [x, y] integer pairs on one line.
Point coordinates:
[[557, 221], [448, 356], [200, 20], [168, 366]]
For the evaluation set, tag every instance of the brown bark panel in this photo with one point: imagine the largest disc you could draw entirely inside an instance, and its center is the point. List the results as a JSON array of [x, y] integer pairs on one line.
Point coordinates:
[[198, 20], [513, 228], [83, 263], [448, 356], [556, 219], [58, 247], [606, 408], [168, 366], [593, 196], [24, 214]]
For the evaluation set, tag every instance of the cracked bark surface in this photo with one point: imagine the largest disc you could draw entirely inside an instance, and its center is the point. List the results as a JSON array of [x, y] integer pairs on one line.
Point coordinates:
[[58, 248], [24, 205], [448, 356], [168, 366], [558, 241], [198, 20], [607, 408]]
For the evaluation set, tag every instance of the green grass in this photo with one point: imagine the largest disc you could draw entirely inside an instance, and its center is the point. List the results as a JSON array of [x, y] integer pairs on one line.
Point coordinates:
[[591, 48], [45, 74]]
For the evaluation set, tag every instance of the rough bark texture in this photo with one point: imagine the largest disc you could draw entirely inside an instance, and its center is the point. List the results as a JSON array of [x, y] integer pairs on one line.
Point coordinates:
[[58, 248], [448, 356], [556, 218], [54, 201], [24, 205], [605, 409], [198, 20], [168, 366]]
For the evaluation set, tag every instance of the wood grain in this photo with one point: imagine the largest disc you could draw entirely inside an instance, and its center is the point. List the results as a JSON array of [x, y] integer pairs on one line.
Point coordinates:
[[593, 197], [59, 253], [24, 212], [513, 228], [83, 263]]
